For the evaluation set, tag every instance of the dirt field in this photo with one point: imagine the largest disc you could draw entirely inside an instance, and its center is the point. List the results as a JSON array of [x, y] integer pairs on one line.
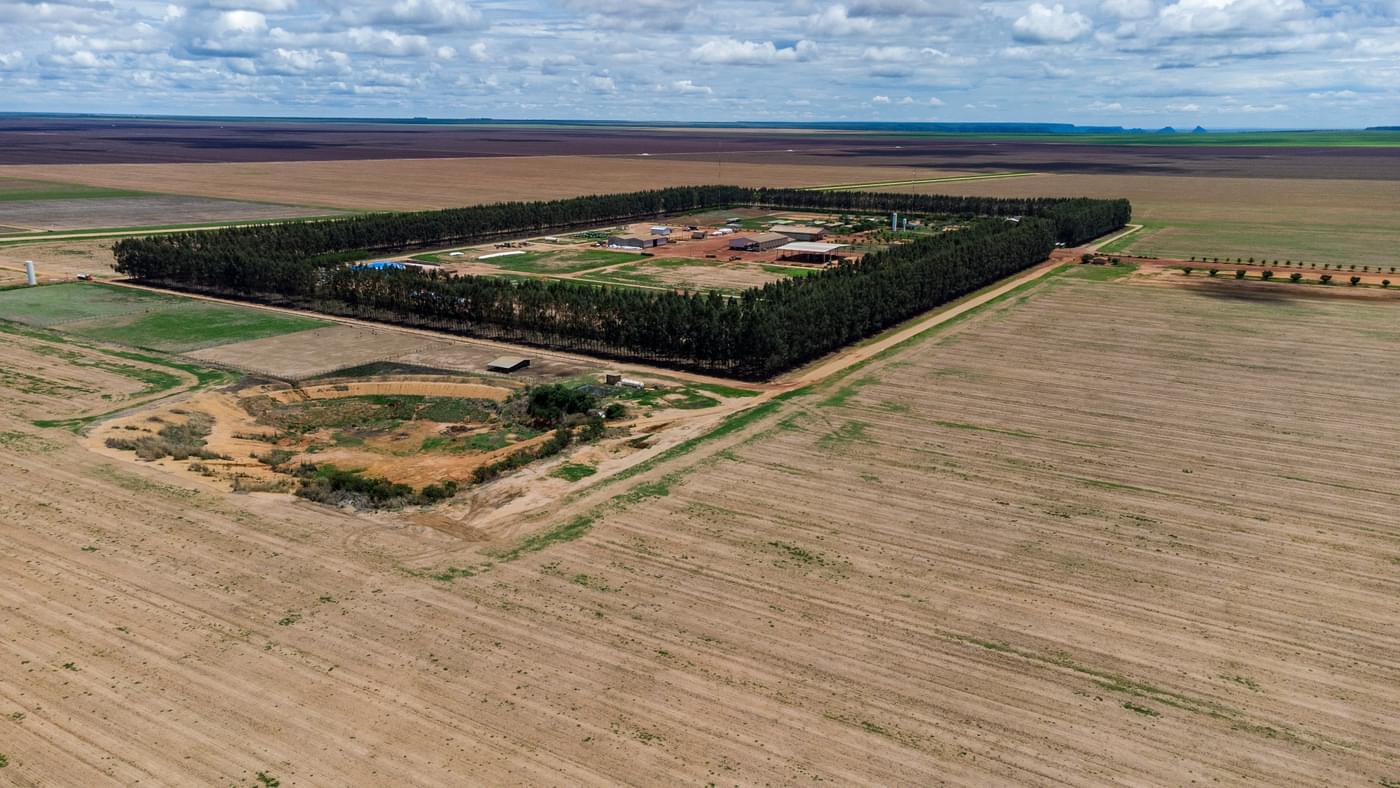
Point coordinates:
[[154, 211], [692, 275], [1103, 532], [61, 260], [408, 184], [316, 352], [1317, 220], [323, 351]]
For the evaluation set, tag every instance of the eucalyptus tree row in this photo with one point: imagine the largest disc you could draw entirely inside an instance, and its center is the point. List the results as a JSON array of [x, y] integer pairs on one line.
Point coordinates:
[[764, 331]]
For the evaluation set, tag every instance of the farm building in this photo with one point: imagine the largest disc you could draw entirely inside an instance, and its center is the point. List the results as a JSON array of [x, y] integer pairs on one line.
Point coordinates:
[[758, 242], [800, 232], [508, 364], [660, 229], [809, 252], [635, 241]]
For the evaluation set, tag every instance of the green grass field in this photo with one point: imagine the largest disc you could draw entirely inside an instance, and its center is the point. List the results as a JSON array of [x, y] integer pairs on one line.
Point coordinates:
[[192, 326], [142, 319], [19, 190], [55, 304]]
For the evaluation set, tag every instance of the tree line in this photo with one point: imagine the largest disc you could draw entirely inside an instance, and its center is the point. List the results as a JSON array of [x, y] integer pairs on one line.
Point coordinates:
[[762, 332]]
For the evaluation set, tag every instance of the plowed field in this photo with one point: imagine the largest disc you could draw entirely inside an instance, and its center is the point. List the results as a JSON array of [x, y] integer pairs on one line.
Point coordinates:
[[1100, 532]]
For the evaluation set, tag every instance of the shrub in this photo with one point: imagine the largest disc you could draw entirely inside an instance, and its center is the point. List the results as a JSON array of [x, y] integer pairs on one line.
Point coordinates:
[[560, 441], [1355, 280], [1251, 259], [1186, 269], [615, 410], [439, 492], [1295, 276], [1239, 273], [550, 404], [330, 485], [1214, 271], [1385, 283], [1266, 275], [1087, 257], [1325, 278]]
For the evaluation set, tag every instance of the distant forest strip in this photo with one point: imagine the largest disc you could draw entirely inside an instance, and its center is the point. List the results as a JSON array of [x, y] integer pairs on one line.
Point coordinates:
[[764, 331]]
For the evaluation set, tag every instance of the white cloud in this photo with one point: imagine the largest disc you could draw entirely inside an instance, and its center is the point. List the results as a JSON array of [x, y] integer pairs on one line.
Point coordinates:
[[1129, 9], [880, 100], [729, 51], [1044, 24], [690, 88], [836, 20], [418, 15], [1216, 17]]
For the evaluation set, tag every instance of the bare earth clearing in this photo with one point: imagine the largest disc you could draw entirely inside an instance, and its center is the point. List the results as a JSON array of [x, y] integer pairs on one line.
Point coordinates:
[[60, 260], [1101, 532]]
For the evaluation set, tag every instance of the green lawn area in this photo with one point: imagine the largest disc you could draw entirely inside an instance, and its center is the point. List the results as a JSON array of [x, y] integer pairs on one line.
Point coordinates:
[[54, 304], [191, 325], [19, 190]]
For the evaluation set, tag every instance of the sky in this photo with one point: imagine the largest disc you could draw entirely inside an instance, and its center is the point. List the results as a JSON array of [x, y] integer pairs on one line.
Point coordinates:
[[1135, 63]]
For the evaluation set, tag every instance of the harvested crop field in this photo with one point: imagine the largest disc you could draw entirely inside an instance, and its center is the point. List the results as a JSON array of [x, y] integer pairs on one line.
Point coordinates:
[[409, 184], [1335, 221], [1100, 532], [150, 211]]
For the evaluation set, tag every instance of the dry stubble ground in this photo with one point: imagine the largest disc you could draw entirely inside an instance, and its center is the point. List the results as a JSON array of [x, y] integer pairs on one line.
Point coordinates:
[[1318, 220], [413, 184], [1103, 532]]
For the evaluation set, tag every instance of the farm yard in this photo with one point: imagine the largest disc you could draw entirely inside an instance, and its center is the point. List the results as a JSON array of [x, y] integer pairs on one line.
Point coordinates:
[[1116, 529]]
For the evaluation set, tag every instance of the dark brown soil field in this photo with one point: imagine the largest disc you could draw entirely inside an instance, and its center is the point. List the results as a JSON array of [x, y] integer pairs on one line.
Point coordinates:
[[109, 141], [27, 140]]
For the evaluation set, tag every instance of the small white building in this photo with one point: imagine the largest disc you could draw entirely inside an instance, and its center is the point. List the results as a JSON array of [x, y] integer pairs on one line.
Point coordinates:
[[660, 229]]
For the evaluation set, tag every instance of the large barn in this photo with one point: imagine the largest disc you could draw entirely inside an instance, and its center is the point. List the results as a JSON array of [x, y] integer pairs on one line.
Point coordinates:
[[800, 232], [758, 242], [636, 241]]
